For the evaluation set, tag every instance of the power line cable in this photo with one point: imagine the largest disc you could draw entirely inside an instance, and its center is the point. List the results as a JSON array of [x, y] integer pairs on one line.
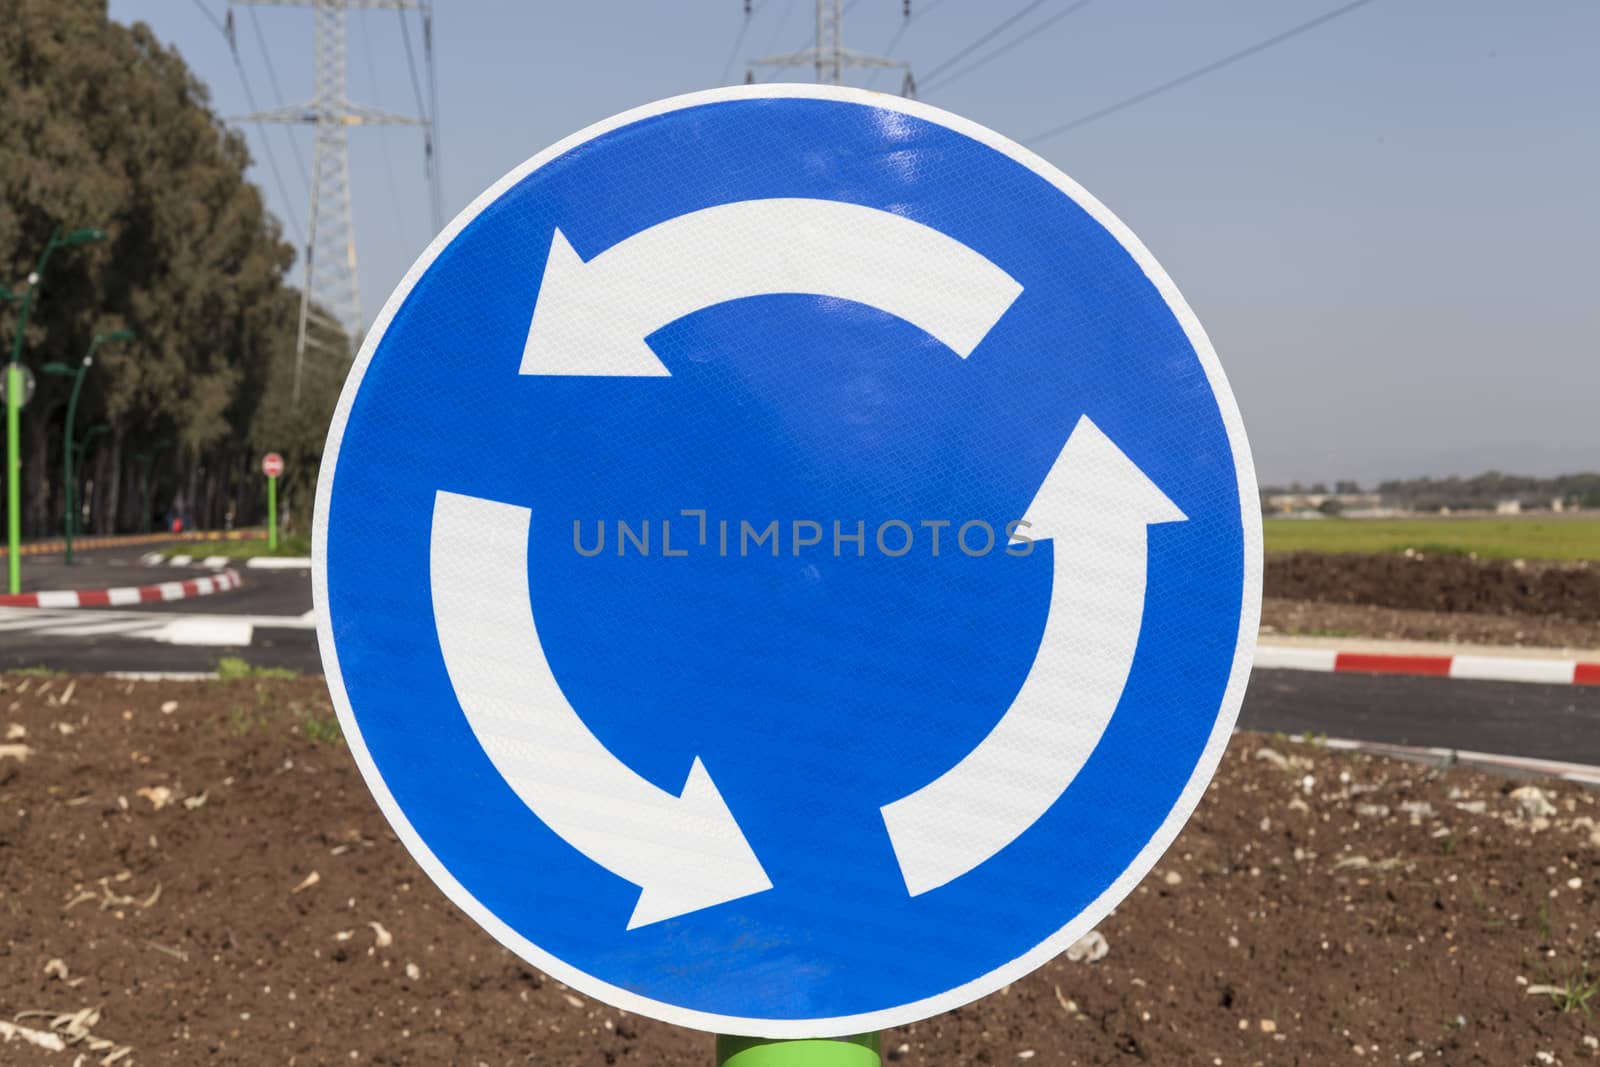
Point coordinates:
[[383, 134], [777, 33], [433, 116], [411, 63], [1199, 72], [900, 31], [888, 49], [981, 41], [733, 56], [277, 94], [996, 53], [211, 17], [422, 110], [250, 97]]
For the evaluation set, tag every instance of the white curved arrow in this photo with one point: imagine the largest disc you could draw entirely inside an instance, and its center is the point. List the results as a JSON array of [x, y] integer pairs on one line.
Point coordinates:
[[685, 852], [592, 318], [1093, 507]]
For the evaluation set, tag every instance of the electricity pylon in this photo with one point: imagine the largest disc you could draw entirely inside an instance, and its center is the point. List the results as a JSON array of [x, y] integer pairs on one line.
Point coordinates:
[[829, 55], [331, 291]]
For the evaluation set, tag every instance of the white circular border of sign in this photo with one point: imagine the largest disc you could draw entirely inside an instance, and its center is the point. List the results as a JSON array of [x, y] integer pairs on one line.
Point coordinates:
[[1233, 697]]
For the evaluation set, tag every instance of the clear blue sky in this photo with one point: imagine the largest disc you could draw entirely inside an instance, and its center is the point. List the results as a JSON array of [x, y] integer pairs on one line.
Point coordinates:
[[1388, 225]]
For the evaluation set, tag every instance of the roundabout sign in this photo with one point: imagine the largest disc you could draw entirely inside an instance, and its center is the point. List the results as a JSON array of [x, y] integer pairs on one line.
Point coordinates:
[[787, 561]]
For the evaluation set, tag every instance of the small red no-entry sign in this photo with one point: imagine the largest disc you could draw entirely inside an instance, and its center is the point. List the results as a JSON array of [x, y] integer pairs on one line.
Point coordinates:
[[272, 464]]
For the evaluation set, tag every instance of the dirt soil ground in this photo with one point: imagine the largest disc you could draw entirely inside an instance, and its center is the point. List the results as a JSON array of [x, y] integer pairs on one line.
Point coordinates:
[[1438, 583], [1434, 598], [194, 872]]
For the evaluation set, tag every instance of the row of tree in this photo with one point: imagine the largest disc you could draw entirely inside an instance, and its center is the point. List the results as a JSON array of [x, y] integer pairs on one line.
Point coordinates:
[[103, 126], [1488, 489], [1314, 489], [1481, 492]]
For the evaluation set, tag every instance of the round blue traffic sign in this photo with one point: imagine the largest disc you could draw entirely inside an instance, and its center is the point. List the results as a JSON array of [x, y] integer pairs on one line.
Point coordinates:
[[787, 561]]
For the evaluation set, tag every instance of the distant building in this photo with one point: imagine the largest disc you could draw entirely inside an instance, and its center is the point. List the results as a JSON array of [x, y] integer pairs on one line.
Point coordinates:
[[1508, 507]]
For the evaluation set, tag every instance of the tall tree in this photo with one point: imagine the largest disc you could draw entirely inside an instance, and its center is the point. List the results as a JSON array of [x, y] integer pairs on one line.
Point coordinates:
[[107, 127]]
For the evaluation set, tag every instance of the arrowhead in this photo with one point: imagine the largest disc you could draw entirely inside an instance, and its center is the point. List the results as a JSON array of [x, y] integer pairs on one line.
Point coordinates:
[[581, 326], [1092, 475], [718, 864]]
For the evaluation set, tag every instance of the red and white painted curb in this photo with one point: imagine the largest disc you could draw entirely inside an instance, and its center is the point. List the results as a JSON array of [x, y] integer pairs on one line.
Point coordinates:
[[1477, 667], [133, 594], [265, 563]]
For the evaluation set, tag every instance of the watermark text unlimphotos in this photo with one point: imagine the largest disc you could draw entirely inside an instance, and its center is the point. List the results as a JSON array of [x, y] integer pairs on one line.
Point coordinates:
[[694, 532]]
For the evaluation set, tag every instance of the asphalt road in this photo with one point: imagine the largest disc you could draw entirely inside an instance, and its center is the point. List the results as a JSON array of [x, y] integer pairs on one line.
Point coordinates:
[[1556, 722], [275, 603], [1553, 722], [292, 648]]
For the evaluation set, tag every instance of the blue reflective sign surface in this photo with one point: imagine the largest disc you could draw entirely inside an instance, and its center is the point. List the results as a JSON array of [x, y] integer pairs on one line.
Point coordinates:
[[657, 530]]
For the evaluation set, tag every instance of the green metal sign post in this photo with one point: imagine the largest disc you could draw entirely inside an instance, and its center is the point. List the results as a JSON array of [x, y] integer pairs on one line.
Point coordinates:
[[863, 1050], [272, 466], [14, 476], [272, 514]]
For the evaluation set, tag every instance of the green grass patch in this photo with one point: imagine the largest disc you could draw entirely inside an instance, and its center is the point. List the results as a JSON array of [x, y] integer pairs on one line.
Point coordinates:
[[288, 545], [232, 668], [317, 725], [1488, 538], [320, 727], [242, 721], [1576, 993]]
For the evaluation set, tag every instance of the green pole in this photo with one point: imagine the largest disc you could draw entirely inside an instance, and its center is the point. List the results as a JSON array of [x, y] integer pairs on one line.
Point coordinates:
[[69, 521], [14, 475], [859, 1051], [272, 513], [82, 450], [14, 425]]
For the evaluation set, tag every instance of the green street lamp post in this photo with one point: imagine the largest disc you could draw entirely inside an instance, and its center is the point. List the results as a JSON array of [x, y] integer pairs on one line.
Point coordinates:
[[89, 435], [14, 401], [81, 450], [72, 412]]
